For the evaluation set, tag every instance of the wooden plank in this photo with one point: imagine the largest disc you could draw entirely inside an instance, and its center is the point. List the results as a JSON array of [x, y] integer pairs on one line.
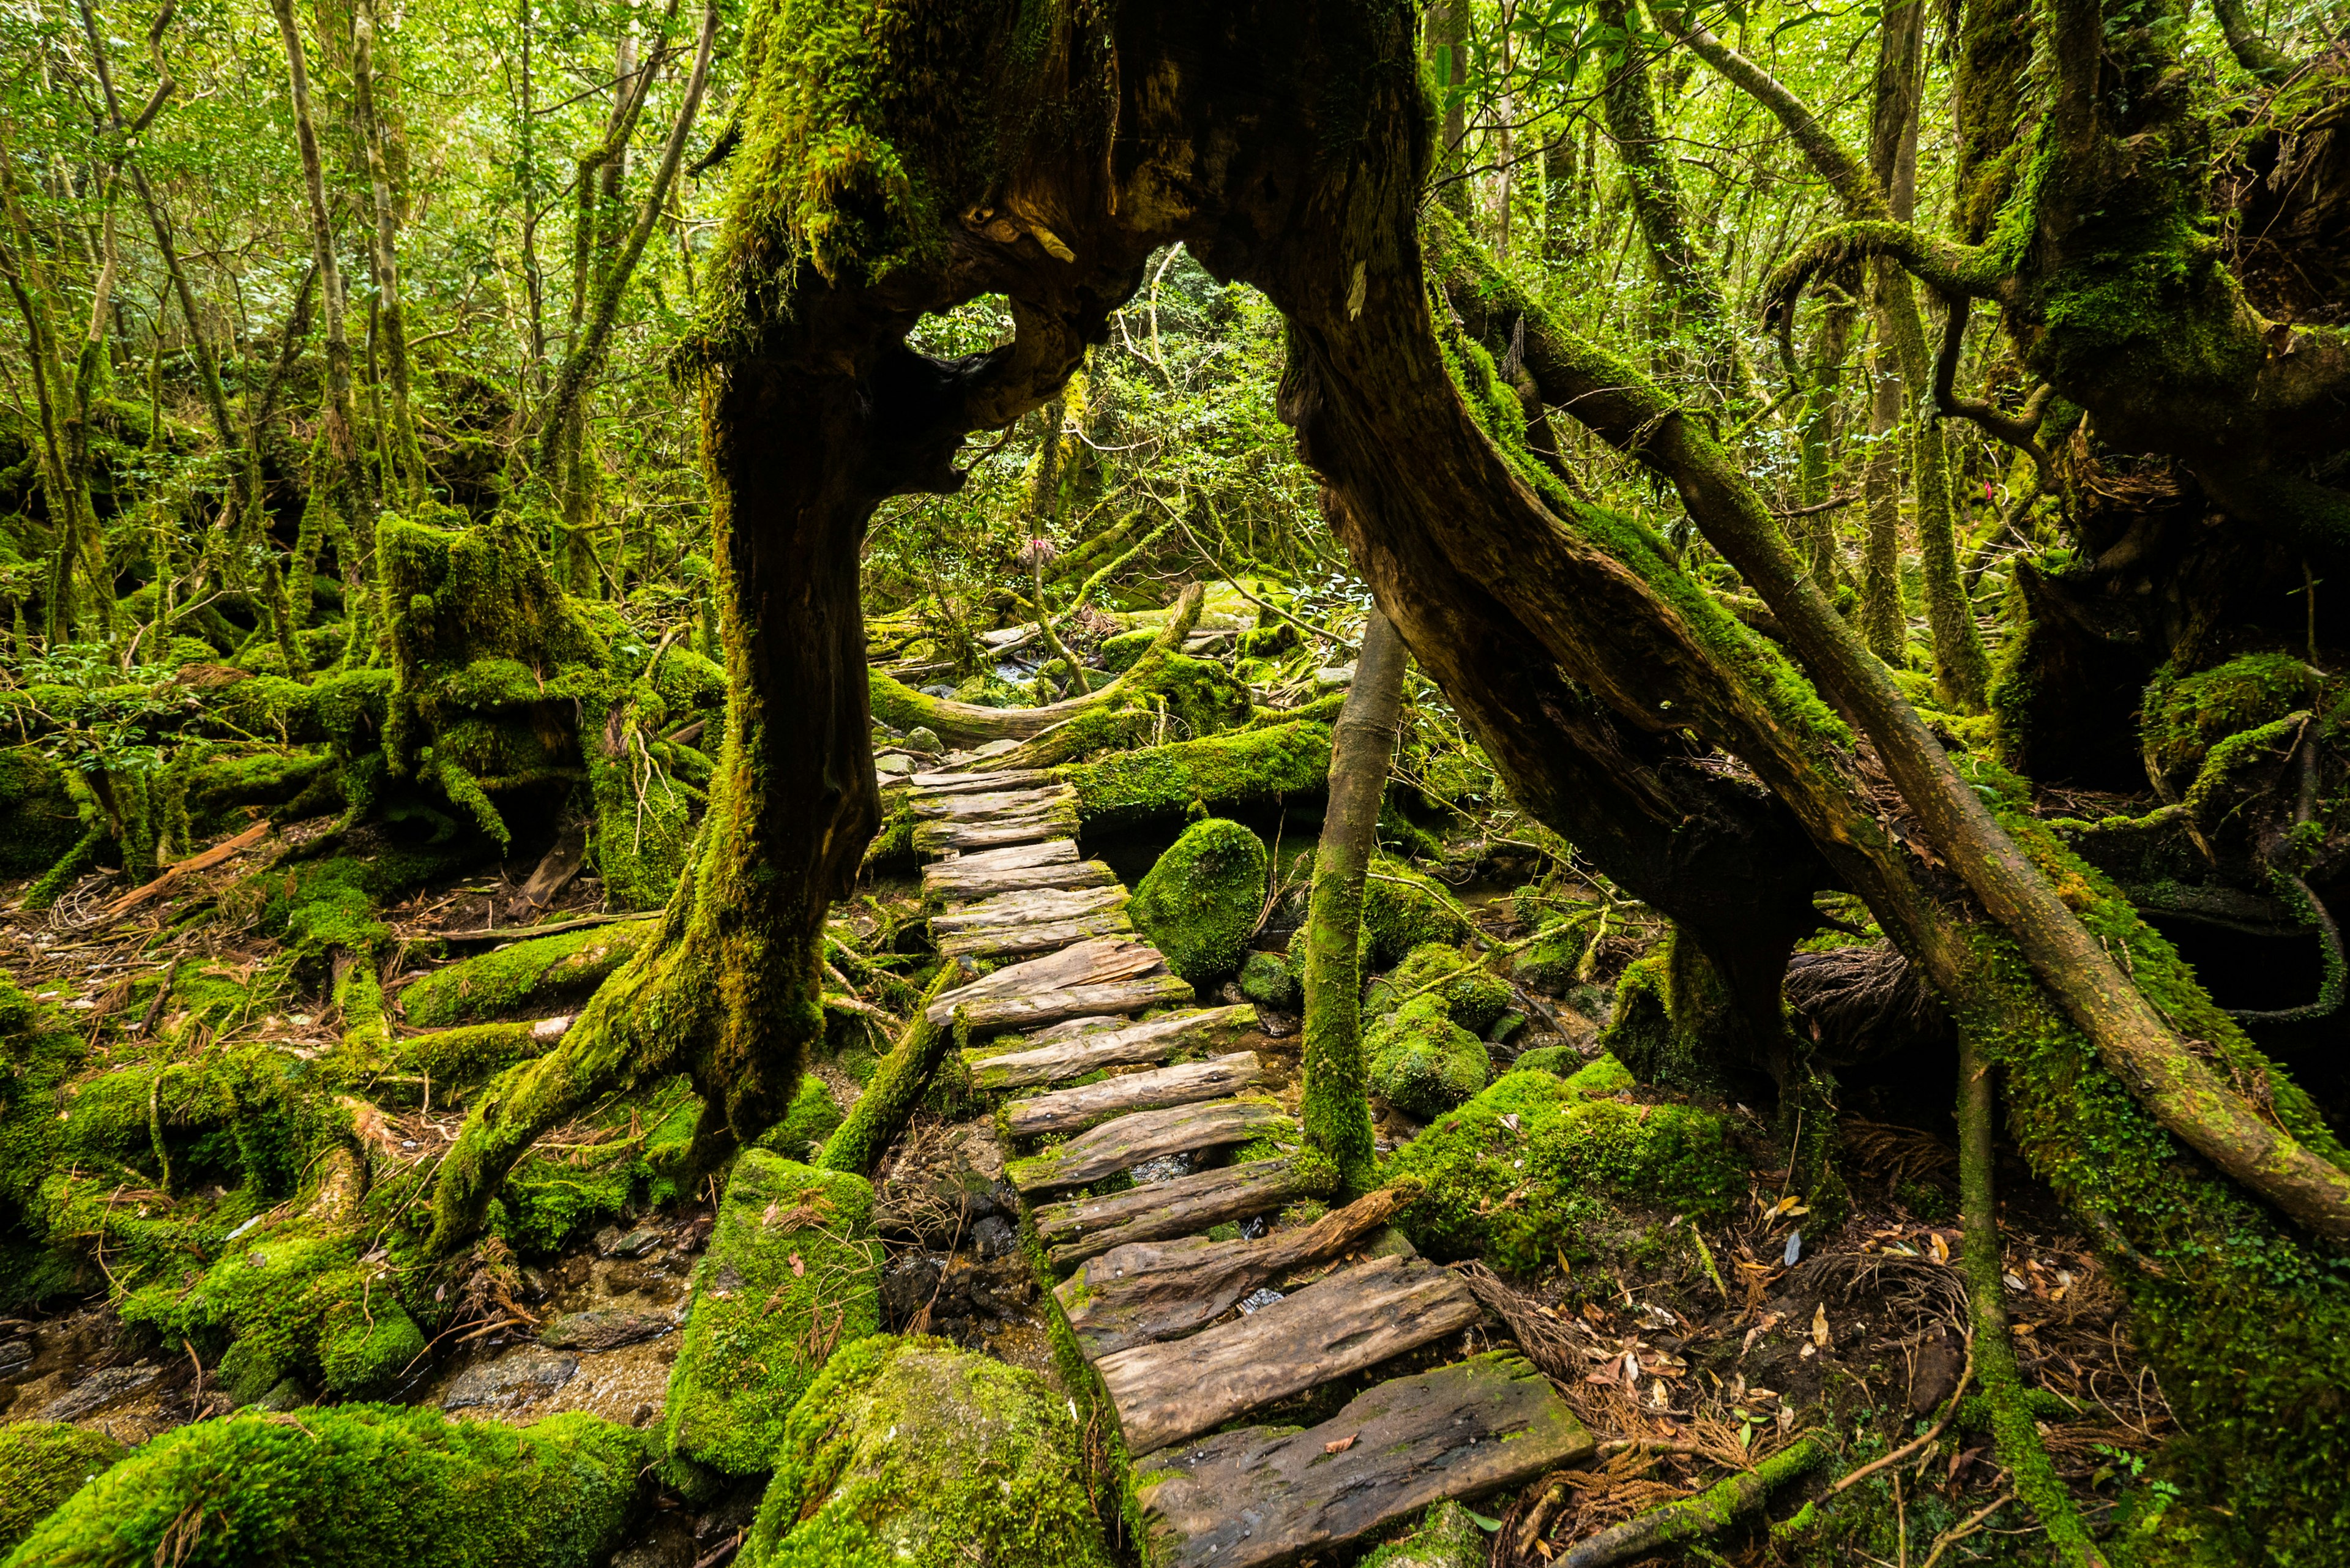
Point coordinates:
[[1057, 1055], [937, 783], [1085, 1227], [992, 802], [1073, 1110], [951, 887], [1148, 1291], [936, 838], [1096, 962], [1032, 907], [993, 1016], [1018, 855], [1265, 1495], [1146, 1135], [1343, 1323], [1011, 941]]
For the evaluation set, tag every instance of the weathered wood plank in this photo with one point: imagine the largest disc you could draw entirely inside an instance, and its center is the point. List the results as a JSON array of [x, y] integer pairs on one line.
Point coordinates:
[[967, 784], [1015, 857], [1148, 1291], [951, 887], [993, 1015], [1072, 1110], [992, 802], [1265, 1495], [1087, 1227], [1343, 1323], [1083, 1045], [1146, 1135], [1009, 941], [1096, 962], [1054, 822], [1030, 908]]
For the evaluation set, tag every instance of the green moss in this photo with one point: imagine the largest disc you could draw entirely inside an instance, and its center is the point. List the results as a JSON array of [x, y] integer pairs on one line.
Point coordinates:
[[535, 974], [1267, 980], [1558, 1061], [461, 1058], [355, 1486], [1519, 1196], [1201, 903], [1402, 910], [1551, 961], [1248, 768], [38, 819], [1473, 994], [43, 1463], [2184, 718], [1118, 652], [909, 1453], [1447, 1537], [1422, 1062], [792, 1275], [813, 1117]]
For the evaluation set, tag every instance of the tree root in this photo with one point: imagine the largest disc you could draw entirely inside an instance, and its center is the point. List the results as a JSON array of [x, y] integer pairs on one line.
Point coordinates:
[[880, 1113], [1704, 1514], [969, 724]]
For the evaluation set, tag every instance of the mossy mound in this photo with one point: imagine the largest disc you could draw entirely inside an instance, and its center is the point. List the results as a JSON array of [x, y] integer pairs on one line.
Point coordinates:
[[792, 1275], [1549, 962], [358, 1485], [1564, 1166], [42, 1463], [1447, 1537], [1558, 1061], [1255, 767], [1474, 996], [1402, 910], [38, 820], [1267, 980], [814, 1117], [910, 1453], [1201, 903], [1422, 1062], [532, 973], [2184, 716]]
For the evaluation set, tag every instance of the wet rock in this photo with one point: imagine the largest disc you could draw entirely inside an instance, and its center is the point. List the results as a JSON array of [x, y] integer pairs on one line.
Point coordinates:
[[993, 1238], [107, 1387], [922, 737], [520, 1375], [611, 1243], [289, 1394], [607, 1328], [908, 1285], [15, 1354]]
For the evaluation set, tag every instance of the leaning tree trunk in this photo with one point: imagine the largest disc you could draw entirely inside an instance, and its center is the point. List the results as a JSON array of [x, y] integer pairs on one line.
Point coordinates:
[[1336, 1114]]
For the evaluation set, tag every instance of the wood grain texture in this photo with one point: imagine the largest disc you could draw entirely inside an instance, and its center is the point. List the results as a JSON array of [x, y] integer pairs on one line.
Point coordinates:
[[985, 804], [1087, 1226], [1016, 855], [1263, 1495], [1073, 1110], [1148, 1291], [1031, 906], [1089, 964], [1343, 1323], [988, 833], [1146, 1135], [965, 784], [1013, 941], [1071, 1050]]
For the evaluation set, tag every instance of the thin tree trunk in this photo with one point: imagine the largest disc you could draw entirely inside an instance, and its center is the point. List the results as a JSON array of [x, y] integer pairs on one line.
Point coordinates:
[[405, 474], [1448, 52], [1336, 1115], [1883, 622]]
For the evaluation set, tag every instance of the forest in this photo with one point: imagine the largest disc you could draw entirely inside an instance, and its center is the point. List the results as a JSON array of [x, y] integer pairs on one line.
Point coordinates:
[[1088, 784]]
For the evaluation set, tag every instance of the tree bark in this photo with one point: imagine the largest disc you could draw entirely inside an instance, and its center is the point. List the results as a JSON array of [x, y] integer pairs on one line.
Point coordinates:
[[406, 477], [1337, 1117]]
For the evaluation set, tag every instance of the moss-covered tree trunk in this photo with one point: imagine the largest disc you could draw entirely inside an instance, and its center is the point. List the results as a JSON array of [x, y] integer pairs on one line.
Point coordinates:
[[1337, 1117]]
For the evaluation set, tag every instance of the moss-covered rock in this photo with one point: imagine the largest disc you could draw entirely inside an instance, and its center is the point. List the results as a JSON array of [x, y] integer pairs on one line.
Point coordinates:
[[1473, 994], [1267, 980], [1201, 903], [1422, 1062], [814, 1117], [42, 1463], [537, 973], [1403, 909], [2184, 717], [1564, 1162], [910, 1453], [1558, 1061], [792, 1274], [358, 1486], [1447, 1537], [1549, 962]]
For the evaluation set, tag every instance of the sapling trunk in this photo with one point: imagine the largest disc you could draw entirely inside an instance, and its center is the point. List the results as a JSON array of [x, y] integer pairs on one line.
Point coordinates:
[[1336, 1115]]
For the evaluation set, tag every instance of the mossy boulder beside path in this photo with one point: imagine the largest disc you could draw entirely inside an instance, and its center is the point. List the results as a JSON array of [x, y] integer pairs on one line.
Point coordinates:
[[42, 1463], [792, 1274], [1202, 902], [910, 1453], [1422, 1062]]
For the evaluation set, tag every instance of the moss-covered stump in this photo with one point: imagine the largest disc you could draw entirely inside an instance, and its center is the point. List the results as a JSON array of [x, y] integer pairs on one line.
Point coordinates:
[[358, 1485], [1422, 1062], [1563, 1162], [1474, 996], [42, 1463], [535, 974], [792, 1275], [1201, 903], [910, 1453], [1247, 768]]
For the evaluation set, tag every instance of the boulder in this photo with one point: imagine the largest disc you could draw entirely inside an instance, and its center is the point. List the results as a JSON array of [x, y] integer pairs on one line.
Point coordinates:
[[1422, 1062], [1202, 902]]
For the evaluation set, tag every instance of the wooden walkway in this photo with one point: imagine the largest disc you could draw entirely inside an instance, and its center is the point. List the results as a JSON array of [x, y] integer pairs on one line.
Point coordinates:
[[1148, 1295]]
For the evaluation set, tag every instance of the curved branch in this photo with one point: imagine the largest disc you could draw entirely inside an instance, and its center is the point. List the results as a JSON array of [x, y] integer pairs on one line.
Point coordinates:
[[1854, 185], [2018, 430], [1960, 272], [2263, 60]]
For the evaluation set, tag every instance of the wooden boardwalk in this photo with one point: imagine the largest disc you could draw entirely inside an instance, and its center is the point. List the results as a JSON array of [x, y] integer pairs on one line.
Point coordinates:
[[1148, 1295]]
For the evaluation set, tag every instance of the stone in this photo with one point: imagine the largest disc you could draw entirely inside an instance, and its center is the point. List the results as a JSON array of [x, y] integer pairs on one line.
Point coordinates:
[[105, 1387], [607, 1328], [522, 1374], [893, 764], [611, 1243]]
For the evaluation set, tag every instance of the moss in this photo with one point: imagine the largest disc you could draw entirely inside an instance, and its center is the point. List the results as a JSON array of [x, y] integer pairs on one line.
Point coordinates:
[[1402, 910], [1201, 903], [1605, 1077], [43, 1463], [534, 974], [910, 1453], [1447, 1537], [38, 819], [1267, 980], [1474, 995], [1519, 1196], [1558, 1061], [1221, 773], [813, 1117], [633, 1154], [792, 1275], [1551, 960], [461, 1058], [401, 1484], [2184, 718], [1118, 653], [1422, 1062]]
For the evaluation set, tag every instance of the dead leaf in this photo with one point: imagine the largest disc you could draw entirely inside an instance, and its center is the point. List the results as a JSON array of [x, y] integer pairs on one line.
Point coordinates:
[[1340, 1447], [1941, 1248], [799, 1269], [1820, 1326]]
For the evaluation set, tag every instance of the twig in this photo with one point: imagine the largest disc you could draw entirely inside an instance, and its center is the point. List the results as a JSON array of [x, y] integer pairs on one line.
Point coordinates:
[[1911, 1447]]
